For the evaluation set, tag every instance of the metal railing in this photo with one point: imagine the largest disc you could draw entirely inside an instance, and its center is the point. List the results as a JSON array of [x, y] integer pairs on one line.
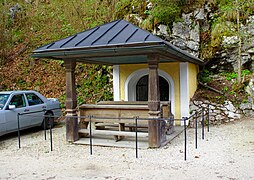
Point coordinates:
[[30, 114], [136, 119]]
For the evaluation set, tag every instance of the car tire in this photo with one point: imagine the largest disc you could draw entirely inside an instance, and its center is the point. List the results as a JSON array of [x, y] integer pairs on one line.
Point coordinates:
[[49, 121]]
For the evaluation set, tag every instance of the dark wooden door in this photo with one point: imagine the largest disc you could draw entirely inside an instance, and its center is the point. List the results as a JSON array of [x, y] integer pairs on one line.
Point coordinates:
[[142, 89]]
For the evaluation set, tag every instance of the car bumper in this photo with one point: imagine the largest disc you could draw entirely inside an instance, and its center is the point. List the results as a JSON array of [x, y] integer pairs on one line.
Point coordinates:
[[57, 113]]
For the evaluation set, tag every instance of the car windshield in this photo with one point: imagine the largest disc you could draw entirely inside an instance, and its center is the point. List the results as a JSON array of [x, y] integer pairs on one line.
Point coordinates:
[[3, 99]]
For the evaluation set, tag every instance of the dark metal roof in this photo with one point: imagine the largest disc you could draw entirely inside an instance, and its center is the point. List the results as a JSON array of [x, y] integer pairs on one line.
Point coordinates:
[[117, 42]]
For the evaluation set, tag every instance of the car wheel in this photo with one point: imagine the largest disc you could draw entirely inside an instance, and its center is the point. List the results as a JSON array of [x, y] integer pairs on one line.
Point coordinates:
[[49, 121]]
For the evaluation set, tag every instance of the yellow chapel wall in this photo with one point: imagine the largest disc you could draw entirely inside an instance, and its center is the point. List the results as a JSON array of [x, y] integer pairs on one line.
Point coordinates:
[[193, 80], [173, 69]]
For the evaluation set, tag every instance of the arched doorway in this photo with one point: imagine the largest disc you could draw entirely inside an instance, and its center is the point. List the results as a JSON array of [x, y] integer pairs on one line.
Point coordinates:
[[133, 78], [142, 89]]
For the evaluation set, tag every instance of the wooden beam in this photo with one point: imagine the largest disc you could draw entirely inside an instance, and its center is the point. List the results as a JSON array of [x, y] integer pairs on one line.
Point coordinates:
[[71, 101], [155, 127]]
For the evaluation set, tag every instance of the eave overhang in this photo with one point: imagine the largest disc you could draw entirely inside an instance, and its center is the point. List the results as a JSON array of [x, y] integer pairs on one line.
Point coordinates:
[[120, 54]]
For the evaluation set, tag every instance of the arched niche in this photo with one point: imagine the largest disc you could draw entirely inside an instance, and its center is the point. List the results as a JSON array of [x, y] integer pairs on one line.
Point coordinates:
[[133, 78]]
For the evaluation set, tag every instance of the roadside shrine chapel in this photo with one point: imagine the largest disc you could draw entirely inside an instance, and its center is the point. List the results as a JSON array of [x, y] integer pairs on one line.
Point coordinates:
[[145, 67]]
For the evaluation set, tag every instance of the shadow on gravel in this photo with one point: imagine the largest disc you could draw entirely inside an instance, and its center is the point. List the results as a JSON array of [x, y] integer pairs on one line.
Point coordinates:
[[22, 133], [29, 131]]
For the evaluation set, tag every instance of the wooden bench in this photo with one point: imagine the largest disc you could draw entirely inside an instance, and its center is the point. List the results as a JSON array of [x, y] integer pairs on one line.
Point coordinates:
[[112, 118]]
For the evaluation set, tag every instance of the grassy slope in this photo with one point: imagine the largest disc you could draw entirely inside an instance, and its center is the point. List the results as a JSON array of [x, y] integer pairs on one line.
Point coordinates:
[[40, 24]]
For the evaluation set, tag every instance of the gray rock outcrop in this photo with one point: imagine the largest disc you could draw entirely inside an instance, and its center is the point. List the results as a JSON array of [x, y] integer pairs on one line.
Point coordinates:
[[220, 113], [230, 44]]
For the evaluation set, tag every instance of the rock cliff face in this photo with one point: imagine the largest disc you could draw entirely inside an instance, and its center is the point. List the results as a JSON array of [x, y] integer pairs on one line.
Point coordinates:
[[186, 35], [226, 59]]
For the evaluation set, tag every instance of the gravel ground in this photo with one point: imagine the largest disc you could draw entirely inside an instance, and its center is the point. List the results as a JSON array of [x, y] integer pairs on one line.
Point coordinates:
[[226, 153]]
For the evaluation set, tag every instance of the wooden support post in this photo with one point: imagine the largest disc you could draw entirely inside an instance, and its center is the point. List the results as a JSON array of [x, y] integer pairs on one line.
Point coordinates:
[[71, 101], [156, 128]]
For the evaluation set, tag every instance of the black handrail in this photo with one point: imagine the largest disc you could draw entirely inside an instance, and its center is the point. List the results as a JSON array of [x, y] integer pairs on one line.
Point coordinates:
[[44, 124], [136, 119]]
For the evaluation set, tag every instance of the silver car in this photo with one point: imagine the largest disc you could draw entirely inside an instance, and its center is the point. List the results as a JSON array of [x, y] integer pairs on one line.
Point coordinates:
[[31, 107]]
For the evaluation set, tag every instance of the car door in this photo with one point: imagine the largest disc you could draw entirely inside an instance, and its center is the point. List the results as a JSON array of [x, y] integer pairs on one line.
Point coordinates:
[[3, 100], [36, 106], [2, 122], [11, 115]]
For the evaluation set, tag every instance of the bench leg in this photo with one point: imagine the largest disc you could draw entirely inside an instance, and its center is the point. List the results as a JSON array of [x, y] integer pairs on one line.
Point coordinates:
[[121, 128], [116, 138], [83, 124], [131, 129]]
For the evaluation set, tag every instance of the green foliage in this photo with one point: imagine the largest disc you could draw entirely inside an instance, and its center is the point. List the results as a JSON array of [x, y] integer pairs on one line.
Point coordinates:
[[94, 83], [219, 98], [229, 9], [245, 101], [230, 76], [233, 92], [205, 76], [245, 72], [167, 11], [66, 26], [221, 28], [224, 22], [126, 7], [20, 82], [5, 33], [62, 99], [162, 11], [225, 89], [233, 75]]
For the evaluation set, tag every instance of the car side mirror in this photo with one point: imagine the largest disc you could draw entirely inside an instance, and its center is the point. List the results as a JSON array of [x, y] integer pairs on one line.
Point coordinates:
[[11, 107]]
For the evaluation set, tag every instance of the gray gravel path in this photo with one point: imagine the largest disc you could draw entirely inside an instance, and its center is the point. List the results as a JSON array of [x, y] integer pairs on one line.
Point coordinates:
[[226, 153]]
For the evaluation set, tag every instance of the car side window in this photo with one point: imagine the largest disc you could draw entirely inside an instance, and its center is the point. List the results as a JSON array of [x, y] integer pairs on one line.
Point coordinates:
[[33, 99], [3, 100], [18, 100]]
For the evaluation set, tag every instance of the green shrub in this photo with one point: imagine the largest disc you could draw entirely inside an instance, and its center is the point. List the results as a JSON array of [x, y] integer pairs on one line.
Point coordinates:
[[245, 72], [205, 76], [167, 11]]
